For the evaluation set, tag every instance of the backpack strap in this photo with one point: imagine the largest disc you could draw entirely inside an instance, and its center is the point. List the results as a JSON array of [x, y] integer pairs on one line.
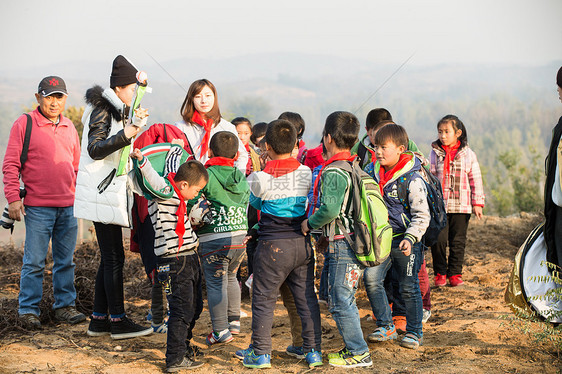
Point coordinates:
[[165, 134], [403, 183], [361, 153], [25, 148]]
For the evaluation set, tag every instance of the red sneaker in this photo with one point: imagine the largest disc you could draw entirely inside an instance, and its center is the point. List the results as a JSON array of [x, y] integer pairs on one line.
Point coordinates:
[[400, 323], [440, 280], [456, 280]]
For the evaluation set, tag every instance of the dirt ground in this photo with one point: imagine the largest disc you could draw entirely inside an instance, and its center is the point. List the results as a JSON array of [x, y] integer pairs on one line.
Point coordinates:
[[465, 334]]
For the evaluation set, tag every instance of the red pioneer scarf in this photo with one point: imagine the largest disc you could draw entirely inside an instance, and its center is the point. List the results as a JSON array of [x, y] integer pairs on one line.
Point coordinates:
[[450, 153], [341, 156], [219, 161], [180, 213], [385, 176], [207, 126]]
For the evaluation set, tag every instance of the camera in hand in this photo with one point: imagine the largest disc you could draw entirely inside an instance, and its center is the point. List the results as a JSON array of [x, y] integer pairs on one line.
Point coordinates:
[[5, 221]]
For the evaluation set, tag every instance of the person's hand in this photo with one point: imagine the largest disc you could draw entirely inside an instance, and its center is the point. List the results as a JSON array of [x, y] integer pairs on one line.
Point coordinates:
[[16, 209], [304, 227], [179, 142], [477, 210], [247, 239], [264, 158], [137, 154], [131, 131], [406, 247]]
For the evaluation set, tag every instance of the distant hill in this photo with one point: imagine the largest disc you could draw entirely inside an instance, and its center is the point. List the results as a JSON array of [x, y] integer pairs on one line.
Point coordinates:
[[504, 107]]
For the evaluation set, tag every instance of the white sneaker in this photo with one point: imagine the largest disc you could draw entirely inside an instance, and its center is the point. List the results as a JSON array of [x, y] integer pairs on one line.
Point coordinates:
[[426, 315]]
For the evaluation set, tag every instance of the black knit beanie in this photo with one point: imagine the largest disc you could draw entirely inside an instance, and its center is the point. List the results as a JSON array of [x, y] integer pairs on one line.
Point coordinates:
[[559, 78], [122, 73]]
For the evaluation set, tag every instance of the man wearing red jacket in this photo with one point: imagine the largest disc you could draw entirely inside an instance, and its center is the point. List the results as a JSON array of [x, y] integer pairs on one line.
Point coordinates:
[[49, 178]]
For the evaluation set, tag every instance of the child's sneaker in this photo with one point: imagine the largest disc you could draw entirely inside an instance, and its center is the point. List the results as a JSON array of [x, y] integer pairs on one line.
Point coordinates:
[[125, 328], [193, 352], [400, 323], [382, 334], [242, 352], [345, 359], [426, 315], [234, 327], [69, 314], [314, 358], [411, 341], [440, 280], [254, 361], [223, 337], [295, 352], [456, 280], [30, 321], [160, 329], [184, 364]]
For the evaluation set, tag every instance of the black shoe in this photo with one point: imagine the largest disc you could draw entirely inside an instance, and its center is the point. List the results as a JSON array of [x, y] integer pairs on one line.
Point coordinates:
[[30, 321], [125, 329], [193, 352], [184, 364], [69, 314], [99, 327]]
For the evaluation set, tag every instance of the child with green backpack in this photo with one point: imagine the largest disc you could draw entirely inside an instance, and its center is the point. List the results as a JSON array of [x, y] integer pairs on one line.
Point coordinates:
[[336, 204], [409, 219]]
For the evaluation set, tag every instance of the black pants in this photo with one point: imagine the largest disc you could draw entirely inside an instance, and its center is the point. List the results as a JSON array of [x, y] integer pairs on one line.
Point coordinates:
[[454, 234], [275, 262], [181, 279], [108, 293]]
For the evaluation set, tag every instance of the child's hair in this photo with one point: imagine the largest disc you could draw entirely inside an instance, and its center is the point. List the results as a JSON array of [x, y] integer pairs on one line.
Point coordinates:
[[343, 127], [375, 116], [224, 144], [281, 136], [392, 133], [380, 124], [258, 131], [240, 120], [192, 172], [296, 120], [457, 125]]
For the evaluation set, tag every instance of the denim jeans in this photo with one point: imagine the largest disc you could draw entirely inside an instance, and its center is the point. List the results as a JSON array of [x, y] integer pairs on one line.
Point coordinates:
[[291, 261], [344, 273], [407, 269], [181, 279], [220, 260], [42, 225]]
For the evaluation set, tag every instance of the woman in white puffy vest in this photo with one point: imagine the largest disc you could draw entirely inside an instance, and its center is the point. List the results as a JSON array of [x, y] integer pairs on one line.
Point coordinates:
[[103, 193]]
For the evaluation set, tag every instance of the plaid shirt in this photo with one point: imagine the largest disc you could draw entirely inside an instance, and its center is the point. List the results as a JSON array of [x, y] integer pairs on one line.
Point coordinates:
[[463, 188]]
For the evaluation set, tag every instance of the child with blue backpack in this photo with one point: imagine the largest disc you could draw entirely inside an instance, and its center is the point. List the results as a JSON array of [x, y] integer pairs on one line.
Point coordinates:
[[409, 220]]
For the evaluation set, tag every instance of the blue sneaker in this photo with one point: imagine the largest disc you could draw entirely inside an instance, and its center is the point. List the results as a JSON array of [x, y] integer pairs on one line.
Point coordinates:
[[242, 352], [295, 352], [314, 358], [383, 333], [254, 361]]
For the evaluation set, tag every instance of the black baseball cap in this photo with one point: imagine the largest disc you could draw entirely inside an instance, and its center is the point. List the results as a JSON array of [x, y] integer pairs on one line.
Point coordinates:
[[51, 85]]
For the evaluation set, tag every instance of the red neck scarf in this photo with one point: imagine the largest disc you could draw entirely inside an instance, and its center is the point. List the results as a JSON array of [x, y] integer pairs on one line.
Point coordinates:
[[207, 126], [341, 156], [385, 176], [219, 161], [180, 213], [247, 146], [278, 168], [450, 153]]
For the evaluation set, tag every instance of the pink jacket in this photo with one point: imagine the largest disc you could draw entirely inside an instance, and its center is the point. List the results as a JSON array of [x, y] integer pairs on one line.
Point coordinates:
[[49, 174], [464, 188]]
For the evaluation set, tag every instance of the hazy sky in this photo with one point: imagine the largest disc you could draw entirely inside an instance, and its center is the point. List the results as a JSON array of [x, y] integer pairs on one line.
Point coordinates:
[[438, 31]]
